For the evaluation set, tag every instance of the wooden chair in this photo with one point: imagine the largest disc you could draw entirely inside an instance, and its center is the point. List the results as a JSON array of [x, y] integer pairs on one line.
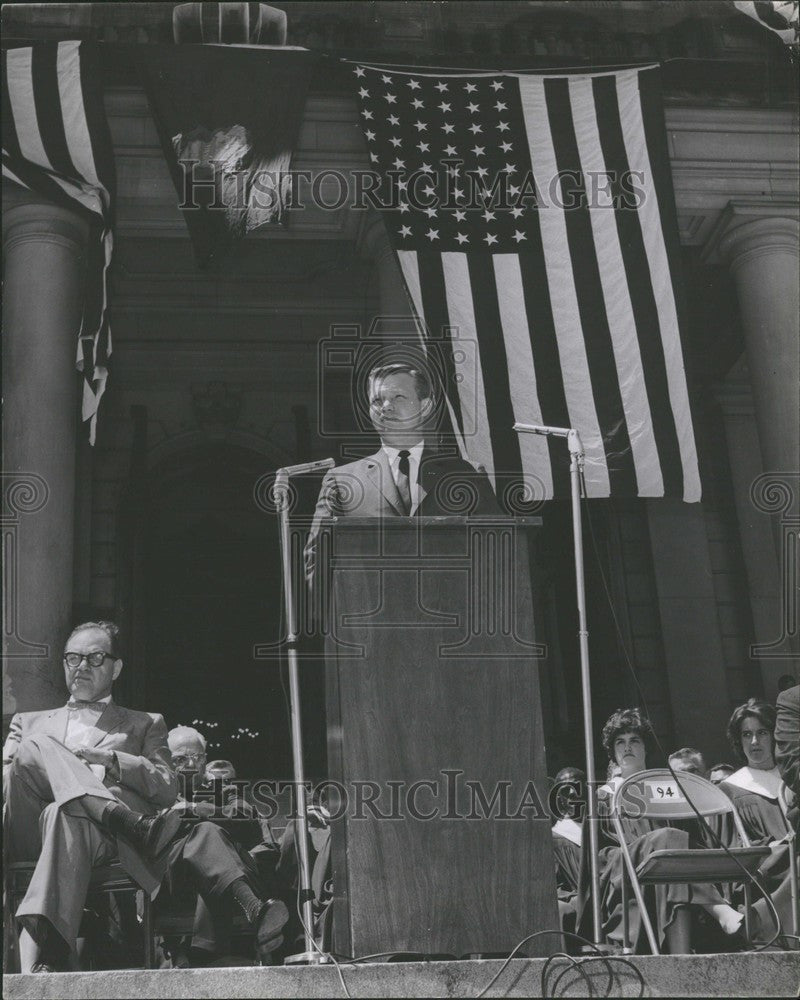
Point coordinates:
[[660, 795], [109, 878]]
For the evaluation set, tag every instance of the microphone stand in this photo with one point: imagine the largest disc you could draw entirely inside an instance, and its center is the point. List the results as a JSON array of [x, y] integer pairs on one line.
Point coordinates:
[[312, 953], [576, 454]]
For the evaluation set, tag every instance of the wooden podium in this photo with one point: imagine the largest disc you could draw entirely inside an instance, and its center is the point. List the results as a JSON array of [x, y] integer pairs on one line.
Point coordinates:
[[441, 842]]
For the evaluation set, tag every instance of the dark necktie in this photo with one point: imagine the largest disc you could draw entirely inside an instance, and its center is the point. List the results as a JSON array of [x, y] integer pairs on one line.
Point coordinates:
[[403, 481]]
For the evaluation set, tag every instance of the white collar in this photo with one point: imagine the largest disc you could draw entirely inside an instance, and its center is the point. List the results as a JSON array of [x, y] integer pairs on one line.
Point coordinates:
[[568, 829], [764, 783], [414, 452]]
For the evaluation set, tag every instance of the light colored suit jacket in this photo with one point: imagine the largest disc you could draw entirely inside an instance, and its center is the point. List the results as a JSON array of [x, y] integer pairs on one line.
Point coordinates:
[[447, 485], [147, 779]]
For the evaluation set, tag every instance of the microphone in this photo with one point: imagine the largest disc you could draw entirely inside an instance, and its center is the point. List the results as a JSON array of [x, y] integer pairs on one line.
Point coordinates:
[[574, 443], [321, 465]]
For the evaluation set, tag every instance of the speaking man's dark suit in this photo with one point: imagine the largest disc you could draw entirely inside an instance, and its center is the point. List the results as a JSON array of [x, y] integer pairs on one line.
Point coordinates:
[[43, 783], [366, 488]]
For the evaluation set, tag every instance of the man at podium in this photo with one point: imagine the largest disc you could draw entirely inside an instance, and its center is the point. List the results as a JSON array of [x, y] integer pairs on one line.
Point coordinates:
[[411, 474]]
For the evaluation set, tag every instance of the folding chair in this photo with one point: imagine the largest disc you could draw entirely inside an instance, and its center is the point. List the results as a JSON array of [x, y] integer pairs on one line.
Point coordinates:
[[109, 878], [659, 795], [793, 862]]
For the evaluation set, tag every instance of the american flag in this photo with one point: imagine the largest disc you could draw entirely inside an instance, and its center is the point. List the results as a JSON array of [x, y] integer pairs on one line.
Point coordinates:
[[56, 142], [534, 223]]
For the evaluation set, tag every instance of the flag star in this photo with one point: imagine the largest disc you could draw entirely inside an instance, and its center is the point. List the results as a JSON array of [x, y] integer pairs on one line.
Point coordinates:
[[441, 87], [370, 135], [488, 215], [509, 168], [444, 106], [428, 191], [470, 87], [490, 238], [395, 141], [386, 79], [506, 146], [472, 107], [501, 107], [458, 193], [413, 84], [420, 126], [393, 120], [448, 128], [453, 171], [479, 150], [516, 212], [390, 98], [460, 215], [462, 238], [426, 168], [417, 104], [399, 163], [403, 207], [512, 189], [432, 234], [482, 171], [475, 129], [363, 92], [423, 147], [359, 71], [402, 185], [405, 230], [503, 126], [496, 85], [373, 157], [366, 114], [450, 150], [430, 212], [519, 236]]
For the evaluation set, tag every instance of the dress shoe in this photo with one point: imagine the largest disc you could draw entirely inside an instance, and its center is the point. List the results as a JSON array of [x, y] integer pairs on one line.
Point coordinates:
[[271, 921], [151, 834]]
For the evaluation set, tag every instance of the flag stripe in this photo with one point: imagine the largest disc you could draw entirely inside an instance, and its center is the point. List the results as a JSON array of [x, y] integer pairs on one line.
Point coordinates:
[[522, 379], [639, 286], [499, 408], [471, 386], [586, 104], [563, 294], [649, 211], [23, 107], [44, 75]]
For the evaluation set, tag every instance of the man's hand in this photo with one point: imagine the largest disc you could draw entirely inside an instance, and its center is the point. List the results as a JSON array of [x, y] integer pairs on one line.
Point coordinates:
[[93, 756]]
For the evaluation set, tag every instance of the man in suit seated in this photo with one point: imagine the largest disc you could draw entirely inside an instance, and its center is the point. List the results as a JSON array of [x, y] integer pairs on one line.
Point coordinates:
[[83, 786], [210, 868], [410, 474]]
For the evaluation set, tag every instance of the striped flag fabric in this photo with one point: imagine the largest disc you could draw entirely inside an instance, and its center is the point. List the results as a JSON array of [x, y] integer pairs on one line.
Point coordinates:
[[779, 16], [56, 142], [534, 222]]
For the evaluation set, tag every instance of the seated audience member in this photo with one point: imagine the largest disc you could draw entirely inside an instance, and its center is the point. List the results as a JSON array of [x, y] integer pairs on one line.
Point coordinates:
[[756, 792], [209, 859], [83, 786], [613, 770], [570, 790], [719, 772], [690, 760], [787, 745], [627, 737]]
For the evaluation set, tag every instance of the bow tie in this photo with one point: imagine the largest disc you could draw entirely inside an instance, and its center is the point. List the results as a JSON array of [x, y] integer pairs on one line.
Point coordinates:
[[75, 704]]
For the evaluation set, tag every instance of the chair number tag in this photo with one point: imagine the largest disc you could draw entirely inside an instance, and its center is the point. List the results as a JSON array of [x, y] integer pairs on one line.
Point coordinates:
[[664, 791]]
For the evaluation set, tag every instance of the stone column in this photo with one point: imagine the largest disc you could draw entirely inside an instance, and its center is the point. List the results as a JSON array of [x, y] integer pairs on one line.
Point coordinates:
[[44, 260], [760, 243]]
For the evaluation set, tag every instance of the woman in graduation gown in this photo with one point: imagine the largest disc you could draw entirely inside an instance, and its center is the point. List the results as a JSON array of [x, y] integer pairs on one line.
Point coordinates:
[[756, 790], [627, 738]]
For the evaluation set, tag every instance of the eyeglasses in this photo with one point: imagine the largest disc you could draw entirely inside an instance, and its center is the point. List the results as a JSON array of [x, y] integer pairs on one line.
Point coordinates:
[[96, 659], [179, 759]]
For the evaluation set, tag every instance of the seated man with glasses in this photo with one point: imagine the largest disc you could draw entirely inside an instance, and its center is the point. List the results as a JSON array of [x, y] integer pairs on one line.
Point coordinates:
[[83, 785], [211, 870]]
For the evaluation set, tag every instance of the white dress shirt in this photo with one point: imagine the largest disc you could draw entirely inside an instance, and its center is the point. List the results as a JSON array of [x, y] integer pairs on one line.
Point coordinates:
[[81, 722], [414, 457]]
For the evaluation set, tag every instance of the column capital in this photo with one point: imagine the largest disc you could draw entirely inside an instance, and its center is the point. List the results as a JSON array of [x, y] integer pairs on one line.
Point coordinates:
[[751, 228], [27, 217]]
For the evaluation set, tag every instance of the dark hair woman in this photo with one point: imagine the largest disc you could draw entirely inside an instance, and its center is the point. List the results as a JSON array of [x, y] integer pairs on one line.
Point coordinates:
[[628, 737]]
